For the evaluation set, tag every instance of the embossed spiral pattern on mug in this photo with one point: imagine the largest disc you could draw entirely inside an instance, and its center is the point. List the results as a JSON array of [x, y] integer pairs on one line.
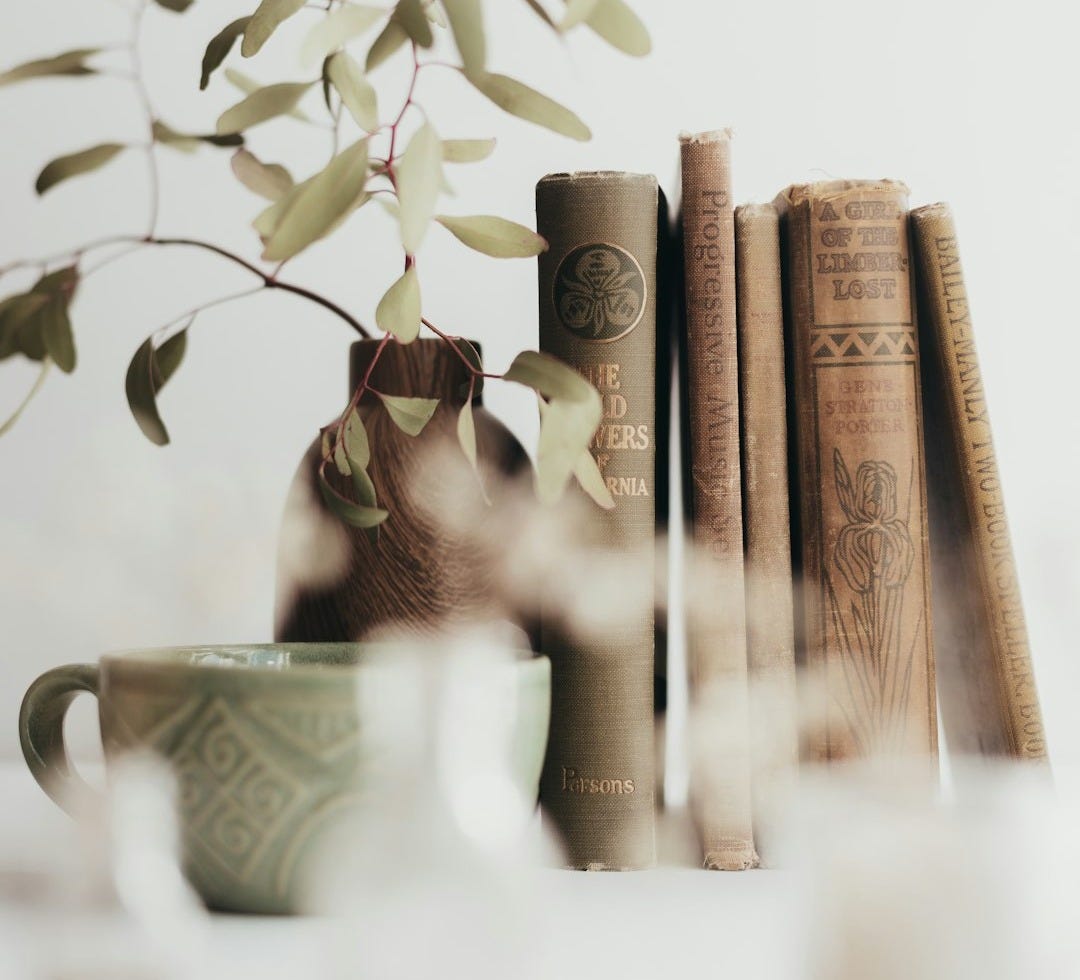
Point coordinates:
[[244, 773]]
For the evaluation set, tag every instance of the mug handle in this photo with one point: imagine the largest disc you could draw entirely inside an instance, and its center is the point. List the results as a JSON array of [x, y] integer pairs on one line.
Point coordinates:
[[41, 732]]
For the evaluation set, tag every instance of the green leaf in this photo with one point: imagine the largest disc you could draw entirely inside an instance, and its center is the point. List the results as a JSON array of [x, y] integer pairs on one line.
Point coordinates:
[[8, 308], [398, 311], [68, 63], [56, 334], [189, 142], [341, 461], [538, 9], [74, 164], [617, 24], [176, 6], [576, 12], [390, 40], [466, 433], [269, 180], [261, 105], [248, 85], [356, 92], [467, 151], [142, 394], [591, 480], [35, 388], [410, 15], [366, 495], [353, 514], [494, 236], [356, 515], [519, 100], [566, 429], [551, 378], [167, 358], [472, 355], [434, 13], [320, 204], [20, 325], [266, 19], [568, 420], [358, 453], [336, 29], [30, 330], [357, 446], [419, 174], [410, 414], [60, 282], [467, 24], [219, 47]]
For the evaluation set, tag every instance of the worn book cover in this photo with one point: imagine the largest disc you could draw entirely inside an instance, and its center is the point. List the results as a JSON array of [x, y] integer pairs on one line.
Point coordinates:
[[989, 701], [598, 313], [770, 640], [716, 626], [861, 471]]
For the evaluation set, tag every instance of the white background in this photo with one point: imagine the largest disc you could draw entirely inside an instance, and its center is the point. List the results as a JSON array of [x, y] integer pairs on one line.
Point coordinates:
[[107, 541]]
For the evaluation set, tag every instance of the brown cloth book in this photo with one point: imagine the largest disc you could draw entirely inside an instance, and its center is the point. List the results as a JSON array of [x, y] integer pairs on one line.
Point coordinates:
[[716, 625], [861, 471], [598, 313], [770, 640], [989, 702]]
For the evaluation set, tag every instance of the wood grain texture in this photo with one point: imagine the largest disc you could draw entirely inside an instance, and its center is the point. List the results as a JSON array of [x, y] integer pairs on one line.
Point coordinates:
[[420, 575]]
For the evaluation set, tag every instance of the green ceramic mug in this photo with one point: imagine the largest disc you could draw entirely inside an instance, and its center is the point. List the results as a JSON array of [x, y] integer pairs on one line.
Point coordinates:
[[267, 743]]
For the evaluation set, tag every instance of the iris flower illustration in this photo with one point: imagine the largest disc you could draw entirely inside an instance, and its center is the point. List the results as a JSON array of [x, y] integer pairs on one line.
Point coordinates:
[[874, 552]]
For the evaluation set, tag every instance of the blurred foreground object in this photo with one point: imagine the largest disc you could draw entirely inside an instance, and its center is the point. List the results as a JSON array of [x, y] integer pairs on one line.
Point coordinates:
[[109, 900], [430, 875], [977, 884], [269, 744]]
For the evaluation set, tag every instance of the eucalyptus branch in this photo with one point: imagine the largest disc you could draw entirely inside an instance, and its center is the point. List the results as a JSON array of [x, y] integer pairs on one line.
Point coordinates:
[[358, 393], [71, 254], [268, 279], [451, 341], [304, 211], [143, 93], [191, 314]]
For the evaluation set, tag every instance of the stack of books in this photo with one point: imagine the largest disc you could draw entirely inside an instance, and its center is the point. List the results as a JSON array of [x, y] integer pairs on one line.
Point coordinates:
[[841, 483]]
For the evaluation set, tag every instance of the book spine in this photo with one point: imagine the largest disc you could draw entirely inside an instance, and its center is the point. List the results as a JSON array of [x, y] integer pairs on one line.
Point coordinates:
[[598, 314], [990, 703], [770, 640], [862, 485], [716, 627]]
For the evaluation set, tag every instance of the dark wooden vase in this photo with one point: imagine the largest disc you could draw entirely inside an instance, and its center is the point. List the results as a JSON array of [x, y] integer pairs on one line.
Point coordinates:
[[420, 573]]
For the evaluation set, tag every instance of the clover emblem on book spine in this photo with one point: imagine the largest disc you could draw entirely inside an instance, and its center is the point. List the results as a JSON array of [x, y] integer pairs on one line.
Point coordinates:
[[600, 292]]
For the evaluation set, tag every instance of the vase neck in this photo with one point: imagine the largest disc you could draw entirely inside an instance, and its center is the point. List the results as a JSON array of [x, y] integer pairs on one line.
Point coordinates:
[[426, 368]]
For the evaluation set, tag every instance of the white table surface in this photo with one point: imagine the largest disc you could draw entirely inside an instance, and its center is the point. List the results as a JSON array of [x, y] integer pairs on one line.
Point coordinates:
[[673, 921]]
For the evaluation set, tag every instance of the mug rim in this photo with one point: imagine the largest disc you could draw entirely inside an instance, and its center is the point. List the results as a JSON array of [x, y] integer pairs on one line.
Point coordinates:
[[177, 657]]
